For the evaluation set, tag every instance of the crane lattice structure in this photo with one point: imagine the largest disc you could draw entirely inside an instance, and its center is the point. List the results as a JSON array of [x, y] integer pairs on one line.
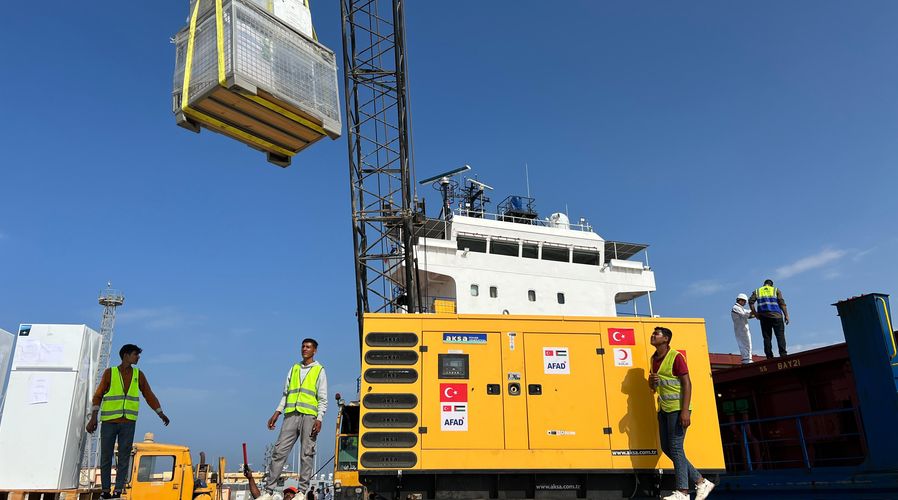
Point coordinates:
[[377, 121], [110, 299]]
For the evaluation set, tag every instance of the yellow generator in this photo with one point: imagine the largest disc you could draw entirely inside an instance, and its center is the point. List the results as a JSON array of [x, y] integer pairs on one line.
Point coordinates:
[[483, 406]]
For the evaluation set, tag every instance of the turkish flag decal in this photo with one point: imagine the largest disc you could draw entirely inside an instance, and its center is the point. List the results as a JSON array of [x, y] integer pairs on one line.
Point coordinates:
[[621, 336], [453, 393]]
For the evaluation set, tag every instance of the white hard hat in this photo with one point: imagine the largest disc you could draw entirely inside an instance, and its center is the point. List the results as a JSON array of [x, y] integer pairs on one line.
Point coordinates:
[[742, 296]]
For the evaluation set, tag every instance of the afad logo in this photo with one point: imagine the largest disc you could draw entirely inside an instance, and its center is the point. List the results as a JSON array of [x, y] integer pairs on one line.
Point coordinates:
[[621, 336]]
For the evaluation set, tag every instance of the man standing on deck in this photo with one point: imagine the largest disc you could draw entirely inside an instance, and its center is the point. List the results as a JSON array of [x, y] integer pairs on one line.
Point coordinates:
[[773, 315], [740, 327], [303, 404], [119, 391], [670, 379]]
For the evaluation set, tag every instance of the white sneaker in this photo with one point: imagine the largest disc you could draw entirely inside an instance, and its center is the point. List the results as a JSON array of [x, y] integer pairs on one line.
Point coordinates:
[[676, 495], [703, 489]]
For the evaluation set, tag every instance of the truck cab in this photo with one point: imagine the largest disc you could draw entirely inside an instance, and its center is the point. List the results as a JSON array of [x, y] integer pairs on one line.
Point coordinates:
[[346, 467], [166, 472]]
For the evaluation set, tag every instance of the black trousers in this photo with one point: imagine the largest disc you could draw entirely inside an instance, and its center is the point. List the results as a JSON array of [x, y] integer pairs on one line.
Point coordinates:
[[769, 328]]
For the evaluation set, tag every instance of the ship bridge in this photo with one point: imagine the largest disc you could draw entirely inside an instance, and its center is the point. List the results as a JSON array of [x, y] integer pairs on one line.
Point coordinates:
[[513, 262]]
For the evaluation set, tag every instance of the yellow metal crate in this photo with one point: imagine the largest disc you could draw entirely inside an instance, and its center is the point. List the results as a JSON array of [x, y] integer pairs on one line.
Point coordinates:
[[444, 306]]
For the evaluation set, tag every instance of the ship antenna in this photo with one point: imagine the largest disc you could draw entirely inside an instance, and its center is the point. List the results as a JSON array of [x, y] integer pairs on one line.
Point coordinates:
[[444, 183], [527, 178]]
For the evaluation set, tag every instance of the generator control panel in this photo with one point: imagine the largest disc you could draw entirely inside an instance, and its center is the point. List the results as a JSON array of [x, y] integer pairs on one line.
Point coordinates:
[[453, 366]]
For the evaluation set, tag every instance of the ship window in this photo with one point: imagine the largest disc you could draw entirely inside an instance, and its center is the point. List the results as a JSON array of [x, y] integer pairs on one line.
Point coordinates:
[[587, 256], [561, 297], [530, 251], [557, 254], [500, 247], [531, 295], [471, 243], [475, 290], [494, 292]]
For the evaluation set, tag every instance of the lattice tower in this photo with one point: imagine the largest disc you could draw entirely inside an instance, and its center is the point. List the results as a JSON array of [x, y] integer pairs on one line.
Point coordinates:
[[110, 299], [384, 208]]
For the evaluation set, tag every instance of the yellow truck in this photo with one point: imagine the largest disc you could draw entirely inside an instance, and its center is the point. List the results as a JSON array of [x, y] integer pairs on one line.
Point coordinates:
[[501, 406], [166, 472], [346, 453]]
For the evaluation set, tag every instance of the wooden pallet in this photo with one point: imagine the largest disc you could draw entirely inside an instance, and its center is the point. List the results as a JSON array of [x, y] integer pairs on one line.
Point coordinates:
[[75, 494], [278, 123]]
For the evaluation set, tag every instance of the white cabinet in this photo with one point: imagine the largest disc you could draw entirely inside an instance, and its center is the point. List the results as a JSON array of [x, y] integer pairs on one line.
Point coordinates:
[[6, 342], [47, 404]]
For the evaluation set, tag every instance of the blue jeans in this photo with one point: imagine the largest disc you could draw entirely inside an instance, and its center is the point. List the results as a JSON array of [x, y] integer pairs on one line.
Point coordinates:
[[109, 432], [672, 436]]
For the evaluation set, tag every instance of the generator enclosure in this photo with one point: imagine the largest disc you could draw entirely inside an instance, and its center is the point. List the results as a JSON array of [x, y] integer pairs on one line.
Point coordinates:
[[242, 72], [47, 406], [547, 403]]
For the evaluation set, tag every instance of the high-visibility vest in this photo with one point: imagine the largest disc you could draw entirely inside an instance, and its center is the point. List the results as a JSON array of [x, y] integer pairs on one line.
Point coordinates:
[[767, 301], [302, 395], [117, 404], [670, 392]]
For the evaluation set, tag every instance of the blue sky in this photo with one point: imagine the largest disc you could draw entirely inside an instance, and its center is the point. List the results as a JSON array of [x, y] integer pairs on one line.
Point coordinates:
[[740, 140]]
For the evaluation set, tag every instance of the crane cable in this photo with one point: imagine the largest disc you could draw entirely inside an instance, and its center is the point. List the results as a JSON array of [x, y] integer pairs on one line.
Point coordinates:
[[323, 466]]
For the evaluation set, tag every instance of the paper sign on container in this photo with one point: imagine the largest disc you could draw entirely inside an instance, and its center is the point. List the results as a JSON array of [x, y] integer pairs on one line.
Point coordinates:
[[38, 390]]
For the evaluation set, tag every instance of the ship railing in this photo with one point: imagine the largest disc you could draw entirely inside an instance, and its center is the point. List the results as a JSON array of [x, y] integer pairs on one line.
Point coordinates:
[[804, 447], [534, 221], [621, 314]]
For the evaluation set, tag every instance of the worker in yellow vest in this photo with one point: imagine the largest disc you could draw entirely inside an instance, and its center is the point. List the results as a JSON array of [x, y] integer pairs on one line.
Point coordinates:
[[769, 307], [117, 400], [670, 379], [303, 404]]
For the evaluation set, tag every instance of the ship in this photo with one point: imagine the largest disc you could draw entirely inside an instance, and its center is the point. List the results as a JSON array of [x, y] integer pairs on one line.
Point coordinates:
[[473, 260], [810, 425]]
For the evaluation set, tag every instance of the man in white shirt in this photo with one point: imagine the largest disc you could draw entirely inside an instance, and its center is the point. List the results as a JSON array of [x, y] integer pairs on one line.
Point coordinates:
[[303, 404], [740, 315]]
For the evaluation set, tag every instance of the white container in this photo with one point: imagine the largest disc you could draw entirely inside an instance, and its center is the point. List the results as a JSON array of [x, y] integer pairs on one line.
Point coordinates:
[[47, 405], [294, 14], [6, 342]]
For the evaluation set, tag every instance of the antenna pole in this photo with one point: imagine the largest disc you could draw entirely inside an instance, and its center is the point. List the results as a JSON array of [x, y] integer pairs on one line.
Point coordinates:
[[110, 299], [527, 178], [447, 209]]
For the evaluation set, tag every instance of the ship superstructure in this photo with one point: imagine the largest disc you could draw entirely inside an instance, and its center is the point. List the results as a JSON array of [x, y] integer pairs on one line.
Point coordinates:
[[511, 261]]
